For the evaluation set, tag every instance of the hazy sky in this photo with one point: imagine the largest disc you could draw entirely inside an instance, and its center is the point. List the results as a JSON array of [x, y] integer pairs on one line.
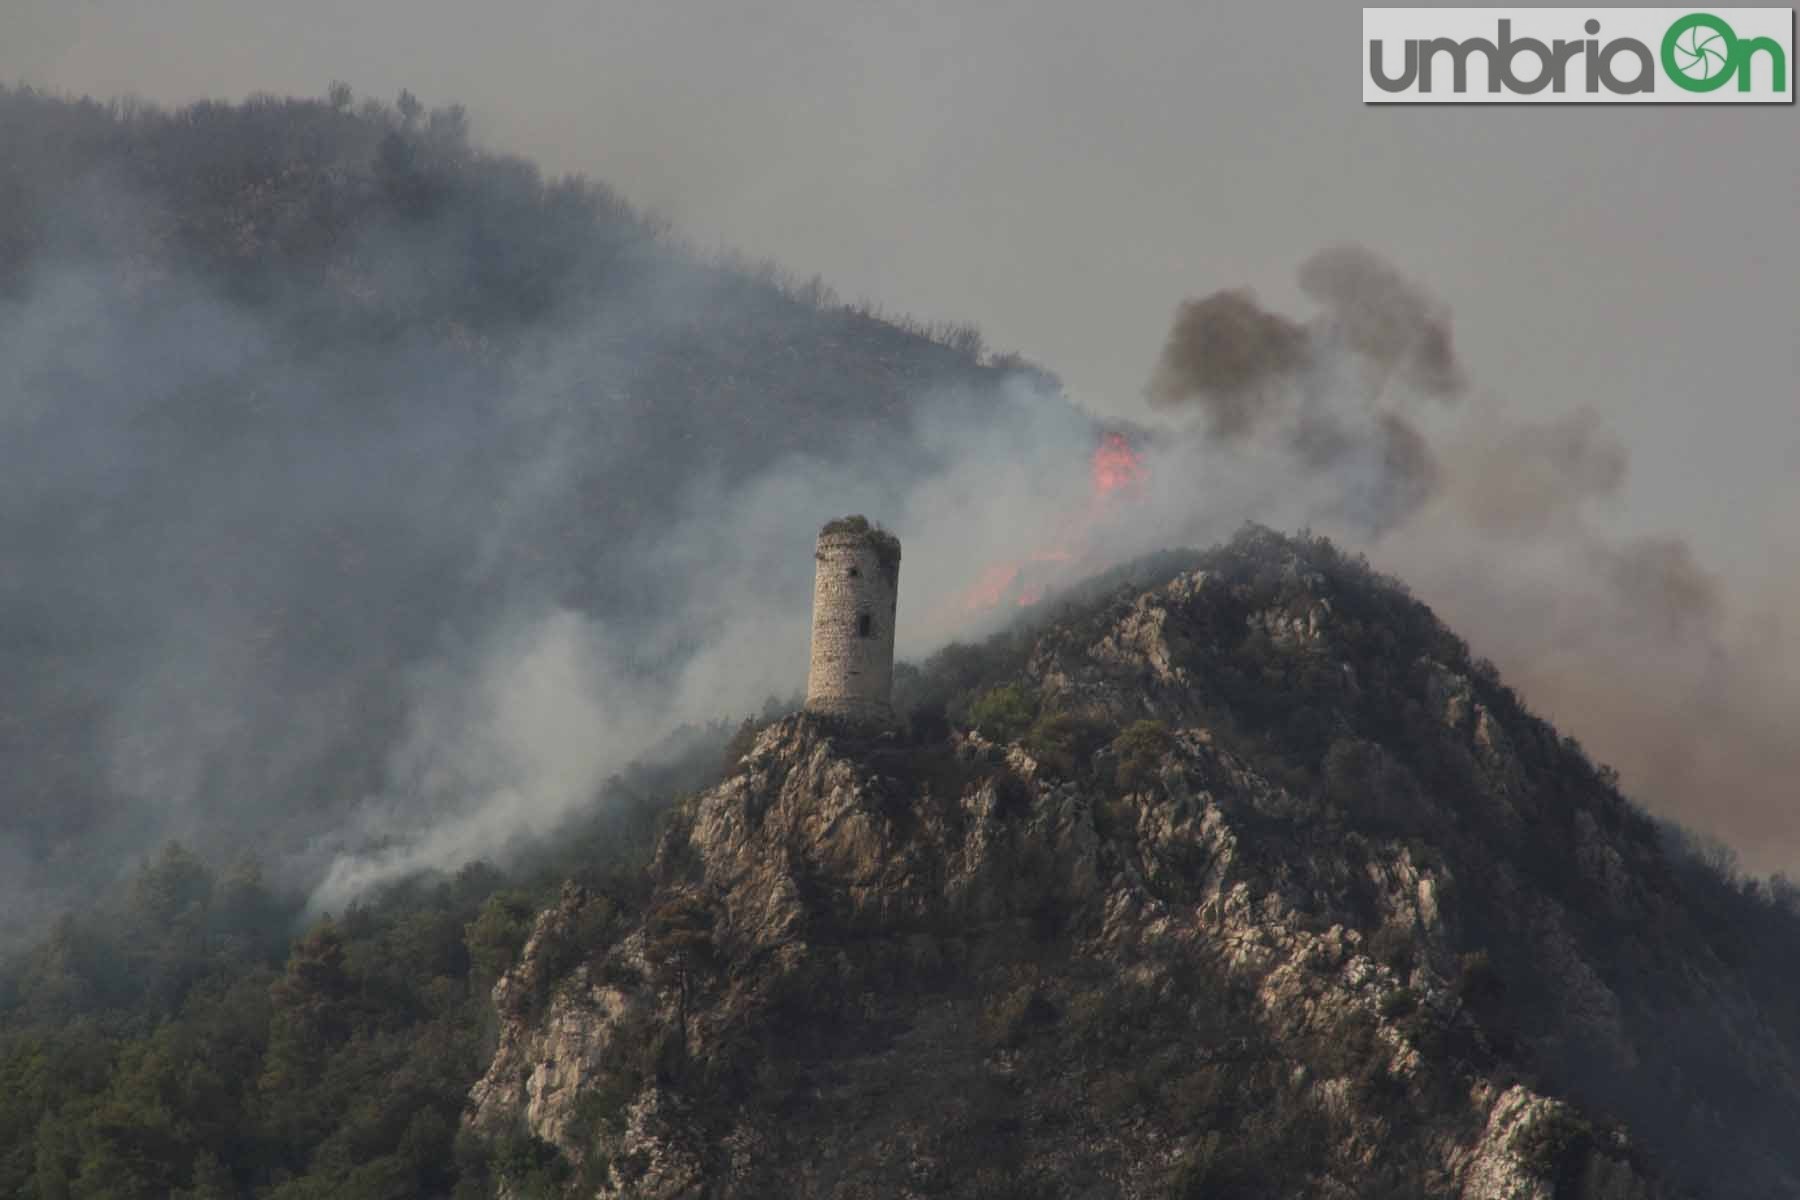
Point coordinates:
[[1064, 176], [1063, 173]]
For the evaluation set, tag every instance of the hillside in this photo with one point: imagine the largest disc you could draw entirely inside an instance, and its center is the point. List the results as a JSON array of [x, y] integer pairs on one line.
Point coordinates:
[[395, 536], [310, 403], [1226, 874], [1250, 883]]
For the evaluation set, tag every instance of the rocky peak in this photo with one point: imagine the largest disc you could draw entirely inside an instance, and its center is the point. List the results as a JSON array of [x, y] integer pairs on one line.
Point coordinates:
[[1141, 949]]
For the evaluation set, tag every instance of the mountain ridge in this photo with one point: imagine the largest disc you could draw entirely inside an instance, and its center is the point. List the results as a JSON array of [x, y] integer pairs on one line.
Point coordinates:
[[324, 407], [1442, 982]]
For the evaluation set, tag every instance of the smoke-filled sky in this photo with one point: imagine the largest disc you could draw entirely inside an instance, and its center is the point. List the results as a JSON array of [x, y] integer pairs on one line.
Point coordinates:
[[1597, 486], [1064, 173]]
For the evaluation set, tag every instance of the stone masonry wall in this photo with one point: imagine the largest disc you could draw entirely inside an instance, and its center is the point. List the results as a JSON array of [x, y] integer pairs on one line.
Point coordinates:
[[855, 597]]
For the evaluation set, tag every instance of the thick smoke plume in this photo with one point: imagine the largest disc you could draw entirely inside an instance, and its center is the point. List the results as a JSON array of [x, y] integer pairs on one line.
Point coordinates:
[[1628, 643], [389, 559], [1335, 392], [371, 512], [1376, 312], [1229, 353]]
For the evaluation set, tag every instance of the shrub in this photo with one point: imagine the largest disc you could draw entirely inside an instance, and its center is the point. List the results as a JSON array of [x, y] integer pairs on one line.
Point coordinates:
[[1064, 741], [1004, 713], [886, 545], [740, 743], [583, 941], [1369, 783], [1555, 1147], [1477, 982], [1139, 752], [1392, 947], [1011, 1015], [1400, 1002], [528, 1164], [495, 937]]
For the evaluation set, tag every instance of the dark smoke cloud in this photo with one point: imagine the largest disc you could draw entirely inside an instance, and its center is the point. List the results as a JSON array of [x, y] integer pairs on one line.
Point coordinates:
[[1377, 312], [1408, 468], [1519, 479], [1229, 353], [1632, 646], [1333, 391], [1628, 642], [1674, 596]]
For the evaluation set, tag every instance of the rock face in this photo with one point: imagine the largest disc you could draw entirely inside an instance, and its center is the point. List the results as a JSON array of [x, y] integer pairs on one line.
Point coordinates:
[[1142, 968]]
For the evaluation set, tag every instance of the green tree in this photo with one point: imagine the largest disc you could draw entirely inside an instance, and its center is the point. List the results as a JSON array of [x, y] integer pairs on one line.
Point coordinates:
[[312, 1016], [496, 936], [1139, 752], [1062, 741], [1004, 713], [210, 1180], [680, 944], [167, 922]]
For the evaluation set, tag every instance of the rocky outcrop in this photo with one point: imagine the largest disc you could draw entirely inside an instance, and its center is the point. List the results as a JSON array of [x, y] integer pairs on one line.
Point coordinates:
[[808, 837], [872, 969]]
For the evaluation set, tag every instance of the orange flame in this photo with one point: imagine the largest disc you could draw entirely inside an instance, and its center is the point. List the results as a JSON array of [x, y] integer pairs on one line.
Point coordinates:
[[992, 587], [1117, 470], [1116, 465]]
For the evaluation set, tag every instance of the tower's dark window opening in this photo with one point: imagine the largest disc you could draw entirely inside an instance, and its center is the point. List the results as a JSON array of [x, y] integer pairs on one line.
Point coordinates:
[[855, 571], [864, 625]]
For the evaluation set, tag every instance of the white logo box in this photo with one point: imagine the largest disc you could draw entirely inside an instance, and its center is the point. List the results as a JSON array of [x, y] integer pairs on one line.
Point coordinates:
[[1711, 46]]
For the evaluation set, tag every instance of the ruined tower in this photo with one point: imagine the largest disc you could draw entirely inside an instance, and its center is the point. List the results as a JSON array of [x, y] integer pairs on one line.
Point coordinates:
[[855, 593]]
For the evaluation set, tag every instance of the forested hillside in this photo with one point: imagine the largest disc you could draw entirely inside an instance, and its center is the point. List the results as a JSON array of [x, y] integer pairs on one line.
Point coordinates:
[[1238, 875], [394, 543], [1232, 872], [197, 1037]]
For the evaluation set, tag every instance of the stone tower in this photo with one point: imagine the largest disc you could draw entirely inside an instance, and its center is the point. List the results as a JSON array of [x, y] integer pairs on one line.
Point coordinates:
[[855, 593]]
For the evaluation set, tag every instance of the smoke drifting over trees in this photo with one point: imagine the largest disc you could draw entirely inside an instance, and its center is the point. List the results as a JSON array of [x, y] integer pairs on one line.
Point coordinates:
[[370, 499], [1346, 420]]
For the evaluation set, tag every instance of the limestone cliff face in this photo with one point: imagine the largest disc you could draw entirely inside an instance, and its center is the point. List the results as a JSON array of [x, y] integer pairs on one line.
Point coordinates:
[[871, 968]]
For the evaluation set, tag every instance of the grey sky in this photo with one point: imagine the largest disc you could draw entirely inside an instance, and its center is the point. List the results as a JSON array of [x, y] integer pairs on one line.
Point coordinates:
[[1064, 173]]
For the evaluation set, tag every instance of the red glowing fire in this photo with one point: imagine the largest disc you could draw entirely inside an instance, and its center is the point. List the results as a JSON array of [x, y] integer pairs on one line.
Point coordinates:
[[1118, 472], [1116, 465]]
